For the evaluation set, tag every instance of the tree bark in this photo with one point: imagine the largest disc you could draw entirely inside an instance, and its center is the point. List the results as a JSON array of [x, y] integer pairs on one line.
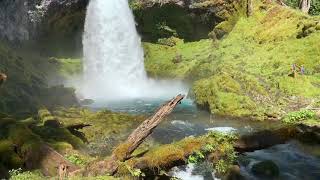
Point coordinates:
[[305, 5], [249, 8], [124, 150]]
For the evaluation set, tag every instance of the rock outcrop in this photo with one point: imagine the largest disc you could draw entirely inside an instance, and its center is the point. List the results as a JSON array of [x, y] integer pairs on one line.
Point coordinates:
[[21, 20], [188, 20]]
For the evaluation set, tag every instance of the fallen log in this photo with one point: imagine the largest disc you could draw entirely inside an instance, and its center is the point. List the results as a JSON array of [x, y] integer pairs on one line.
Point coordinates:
[[123, 151], [246, 143]]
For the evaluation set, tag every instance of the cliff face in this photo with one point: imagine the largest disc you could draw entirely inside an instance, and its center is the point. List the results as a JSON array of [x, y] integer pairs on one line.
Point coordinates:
[[44, 21], [187, 19]]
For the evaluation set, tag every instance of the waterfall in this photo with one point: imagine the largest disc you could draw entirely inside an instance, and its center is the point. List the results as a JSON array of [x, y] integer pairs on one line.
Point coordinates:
[[113, 54]]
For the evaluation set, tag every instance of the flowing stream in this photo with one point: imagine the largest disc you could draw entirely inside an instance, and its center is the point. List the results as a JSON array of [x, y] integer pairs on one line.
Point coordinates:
[[295, 160], [116, 79]]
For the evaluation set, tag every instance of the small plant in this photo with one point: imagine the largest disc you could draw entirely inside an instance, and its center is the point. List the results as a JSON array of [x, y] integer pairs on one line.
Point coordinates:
[[221, 166], [294, 117], [135, 172], [76, 159], [196, 157], [18, 174]]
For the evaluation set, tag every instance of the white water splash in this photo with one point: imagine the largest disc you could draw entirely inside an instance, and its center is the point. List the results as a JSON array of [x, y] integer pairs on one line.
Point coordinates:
[[114, 57], [222, 129]]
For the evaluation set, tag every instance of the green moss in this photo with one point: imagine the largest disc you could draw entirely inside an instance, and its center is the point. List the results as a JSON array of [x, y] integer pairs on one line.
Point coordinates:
[[107, 128], [68, 67], [164, 156], [160, 62], [247, 73], [300, 116]]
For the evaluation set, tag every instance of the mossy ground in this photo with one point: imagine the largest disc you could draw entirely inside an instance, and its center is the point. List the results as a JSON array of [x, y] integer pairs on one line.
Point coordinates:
[[21, 137], [247, 72]]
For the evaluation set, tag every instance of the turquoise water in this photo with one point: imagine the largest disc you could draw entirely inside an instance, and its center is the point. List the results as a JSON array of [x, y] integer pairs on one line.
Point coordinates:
[[295, 160]]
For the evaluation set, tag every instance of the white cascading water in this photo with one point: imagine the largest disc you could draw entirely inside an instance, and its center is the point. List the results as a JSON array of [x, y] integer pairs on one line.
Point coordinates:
[[114, 57]]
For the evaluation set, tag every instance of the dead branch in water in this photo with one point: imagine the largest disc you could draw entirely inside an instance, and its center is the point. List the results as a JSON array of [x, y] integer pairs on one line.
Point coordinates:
[[124, 150]]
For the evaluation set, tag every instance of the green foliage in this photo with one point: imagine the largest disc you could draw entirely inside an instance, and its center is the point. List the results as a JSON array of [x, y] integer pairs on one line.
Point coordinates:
[[135, 172], [315, 6], [222, 144], [76, 159], [298, 116], [18, 174], [196, 157]]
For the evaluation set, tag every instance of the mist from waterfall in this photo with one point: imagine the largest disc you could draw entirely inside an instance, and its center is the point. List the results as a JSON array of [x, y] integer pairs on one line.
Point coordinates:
[[114, 57]]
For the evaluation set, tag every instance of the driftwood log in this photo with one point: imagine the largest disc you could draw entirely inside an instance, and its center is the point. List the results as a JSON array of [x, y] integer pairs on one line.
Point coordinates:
[[123, 151]]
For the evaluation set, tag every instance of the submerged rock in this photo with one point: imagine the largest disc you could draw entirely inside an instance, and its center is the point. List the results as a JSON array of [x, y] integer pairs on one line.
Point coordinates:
[[266, 169]]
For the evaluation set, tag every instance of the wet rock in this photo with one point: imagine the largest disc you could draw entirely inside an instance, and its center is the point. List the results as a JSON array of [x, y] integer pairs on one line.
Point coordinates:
[[234, 173], [267, 169]]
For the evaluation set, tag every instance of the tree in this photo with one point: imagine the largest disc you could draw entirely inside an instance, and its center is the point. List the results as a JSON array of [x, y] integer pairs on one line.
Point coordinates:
[[249, 8], [305, 5]]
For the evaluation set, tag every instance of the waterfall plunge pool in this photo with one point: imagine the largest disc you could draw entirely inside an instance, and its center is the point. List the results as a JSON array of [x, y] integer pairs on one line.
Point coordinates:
[[294, 159]]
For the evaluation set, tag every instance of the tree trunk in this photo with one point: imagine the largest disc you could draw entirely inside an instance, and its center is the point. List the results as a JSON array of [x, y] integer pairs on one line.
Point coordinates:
[[305, 5], [249, 8], [124, 150]]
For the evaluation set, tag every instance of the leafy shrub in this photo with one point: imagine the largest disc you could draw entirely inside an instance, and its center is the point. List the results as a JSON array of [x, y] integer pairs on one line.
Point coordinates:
[[135, 172], [297, 116], [196, 157], [314, 9]]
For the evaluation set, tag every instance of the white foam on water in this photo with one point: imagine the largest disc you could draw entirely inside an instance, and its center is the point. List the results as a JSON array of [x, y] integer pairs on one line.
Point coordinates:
[[222, 129]]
